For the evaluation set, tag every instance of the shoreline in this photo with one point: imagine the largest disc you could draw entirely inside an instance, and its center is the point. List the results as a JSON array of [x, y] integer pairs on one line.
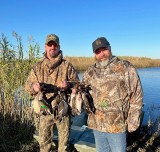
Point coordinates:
[[82, 63]]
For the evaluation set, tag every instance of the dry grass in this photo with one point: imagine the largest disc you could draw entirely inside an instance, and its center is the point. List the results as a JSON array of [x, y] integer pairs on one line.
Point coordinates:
[[16, 123], [142, 62], [82, 63]]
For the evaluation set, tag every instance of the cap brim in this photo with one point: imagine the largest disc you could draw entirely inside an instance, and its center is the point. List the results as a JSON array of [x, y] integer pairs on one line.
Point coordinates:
[[99, 46], [53, 41]]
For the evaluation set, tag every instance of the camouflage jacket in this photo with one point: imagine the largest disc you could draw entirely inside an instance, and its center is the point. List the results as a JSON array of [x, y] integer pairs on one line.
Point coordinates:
[[117, 95], [51, 72]]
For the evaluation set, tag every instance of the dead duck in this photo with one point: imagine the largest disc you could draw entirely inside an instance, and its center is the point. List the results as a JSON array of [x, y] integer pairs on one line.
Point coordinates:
[[40, 105], [81, 99]]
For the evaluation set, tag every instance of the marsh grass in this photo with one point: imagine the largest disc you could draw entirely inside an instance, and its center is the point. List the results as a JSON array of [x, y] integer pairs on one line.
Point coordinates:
[[82, 63], [142, 62], [16, 115], [17, 120]]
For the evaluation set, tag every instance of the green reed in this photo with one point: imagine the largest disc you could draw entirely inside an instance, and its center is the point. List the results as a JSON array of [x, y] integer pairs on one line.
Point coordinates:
[[16, 116]]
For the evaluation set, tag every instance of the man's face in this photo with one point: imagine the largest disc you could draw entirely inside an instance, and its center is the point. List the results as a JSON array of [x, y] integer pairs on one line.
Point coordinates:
[[102, 54], [52, 50]]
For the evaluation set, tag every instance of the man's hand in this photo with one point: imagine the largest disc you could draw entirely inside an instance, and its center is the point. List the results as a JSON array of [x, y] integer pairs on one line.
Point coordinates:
[[64, 85], [36, 87], [74, 90]]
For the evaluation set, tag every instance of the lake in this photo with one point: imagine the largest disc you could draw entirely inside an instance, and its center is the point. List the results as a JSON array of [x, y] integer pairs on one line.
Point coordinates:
[[150, 79]]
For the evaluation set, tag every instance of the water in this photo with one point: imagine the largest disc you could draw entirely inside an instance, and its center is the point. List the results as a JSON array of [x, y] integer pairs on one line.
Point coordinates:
[[150, 79]]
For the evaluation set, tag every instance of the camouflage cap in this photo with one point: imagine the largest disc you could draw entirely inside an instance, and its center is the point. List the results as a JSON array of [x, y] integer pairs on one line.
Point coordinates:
[[100, 43], [52, 37]]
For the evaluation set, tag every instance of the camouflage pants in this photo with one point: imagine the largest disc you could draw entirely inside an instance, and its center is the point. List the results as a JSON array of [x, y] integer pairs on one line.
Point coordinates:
[[46, 127]]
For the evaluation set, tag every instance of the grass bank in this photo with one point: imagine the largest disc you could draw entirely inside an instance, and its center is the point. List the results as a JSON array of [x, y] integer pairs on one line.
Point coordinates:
[[82, 63]]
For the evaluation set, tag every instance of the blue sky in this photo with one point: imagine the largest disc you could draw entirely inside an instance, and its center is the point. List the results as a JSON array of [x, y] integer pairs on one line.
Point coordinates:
[[131, 26]]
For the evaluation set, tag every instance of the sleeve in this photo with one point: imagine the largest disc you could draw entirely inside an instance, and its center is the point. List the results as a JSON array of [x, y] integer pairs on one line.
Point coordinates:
[[86, 76], [30, 80], [72, 75], [135, 100]]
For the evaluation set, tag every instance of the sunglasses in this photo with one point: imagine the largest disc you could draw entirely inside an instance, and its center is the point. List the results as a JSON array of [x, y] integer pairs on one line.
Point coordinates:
[[52, 43]]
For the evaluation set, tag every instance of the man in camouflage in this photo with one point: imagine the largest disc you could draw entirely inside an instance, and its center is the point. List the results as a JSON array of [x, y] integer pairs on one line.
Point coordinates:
[[52, 70], [117, 95]]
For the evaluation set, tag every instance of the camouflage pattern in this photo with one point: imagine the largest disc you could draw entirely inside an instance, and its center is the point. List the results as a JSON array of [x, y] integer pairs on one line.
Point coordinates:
[[117, 95], [46, 127], [52, 37], [52, 72]]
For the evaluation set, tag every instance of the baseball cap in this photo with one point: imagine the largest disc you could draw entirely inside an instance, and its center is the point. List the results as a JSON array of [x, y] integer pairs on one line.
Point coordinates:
[[52, 37], [100, 42]]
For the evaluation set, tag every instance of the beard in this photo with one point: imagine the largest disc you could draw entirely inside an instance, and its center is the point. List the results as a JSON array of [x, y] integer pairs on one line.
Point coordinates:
[[54, 54], [100, 59], [103, 58]]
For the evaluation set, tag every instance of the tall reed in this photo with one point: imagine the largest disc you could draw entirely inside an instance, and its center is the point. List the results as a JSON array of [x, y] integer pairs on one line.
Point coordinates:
[[16, 115]]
